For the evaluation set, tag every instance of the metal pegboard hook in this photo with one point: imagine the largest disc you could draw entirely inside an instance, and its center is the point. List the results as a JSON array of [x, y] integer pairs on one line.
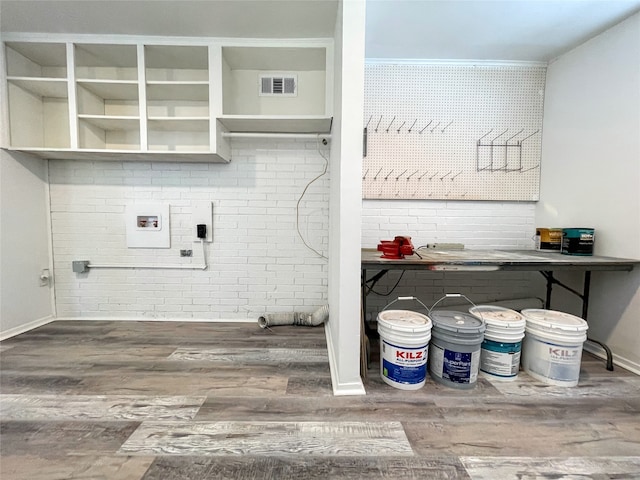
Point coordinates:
[[392, 120], [482, 137], [513, 136], [528, 136], [425, 127], [398, 177], [446, 126], [378, 124], [495, 138], [411, 175]]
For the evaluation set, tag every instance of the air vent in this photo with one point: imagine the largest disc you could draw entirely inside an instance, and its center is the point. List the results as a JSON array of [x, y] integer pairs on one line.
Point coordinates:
[[282, 85]]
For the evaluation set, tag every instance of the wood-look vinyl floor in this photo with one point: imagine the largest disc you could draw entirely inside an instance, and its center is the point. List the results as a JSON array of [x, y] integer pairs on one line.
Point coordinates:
[[177, 400]]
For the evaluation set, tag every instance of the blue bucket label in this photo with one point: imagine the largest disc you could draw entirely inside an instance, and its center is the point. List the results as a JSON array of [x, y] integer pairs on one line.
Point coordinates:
[[500, 359], [403, 364], [456, 367]]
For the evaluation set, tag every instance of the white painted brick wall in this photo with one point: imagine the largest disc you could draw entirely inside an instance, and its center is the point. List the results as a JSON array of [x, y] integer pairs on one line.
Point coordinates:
[[480, 225], [257, 262]]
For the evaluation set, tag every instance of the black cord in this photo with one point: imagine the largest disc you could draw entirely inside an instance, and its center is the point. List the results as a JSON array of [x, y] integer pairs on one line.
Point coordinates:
[[371, 290]]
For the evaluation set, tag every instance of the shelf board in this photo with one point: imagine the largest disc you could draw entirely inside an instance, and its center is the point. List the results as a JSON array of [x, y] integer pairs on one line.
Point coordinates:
[[44, 54], [277, 123], [176, 57], [44, 87], [179, 124], [172, 90], [111, 89], [106, 55], [123, 155], [111, 123], [275, 58]]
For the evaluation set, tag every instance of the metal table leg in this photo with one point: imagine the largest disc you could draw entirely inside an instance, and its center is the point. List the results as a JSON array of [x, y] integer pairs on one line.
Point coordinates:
[[584, 296]]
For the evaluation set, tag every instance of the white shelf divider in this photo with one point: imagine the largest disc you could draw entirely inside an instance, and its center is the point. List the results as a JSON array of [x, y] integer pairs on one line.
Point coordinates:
[[179, 124], [74, 141], [111, 89], [44, 87], [112, 122]]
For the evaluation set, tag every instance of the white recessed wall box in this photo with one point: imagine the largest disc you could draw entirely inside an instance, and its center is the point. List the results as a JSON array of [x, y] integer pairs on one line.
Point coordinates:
[[148, 226], [202, 214]]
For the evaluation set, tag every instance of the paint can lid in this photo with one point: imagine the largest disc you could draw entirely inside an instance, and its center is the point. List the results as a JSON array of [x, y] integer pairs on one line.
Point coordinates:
[[459, 322], [405, 321], [498, 316], [554, 320]]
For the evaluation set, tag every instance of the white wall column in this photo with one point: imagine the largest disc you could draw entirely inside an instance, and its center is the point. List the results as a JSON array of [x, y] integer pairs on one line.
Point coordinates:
[[343, 328]]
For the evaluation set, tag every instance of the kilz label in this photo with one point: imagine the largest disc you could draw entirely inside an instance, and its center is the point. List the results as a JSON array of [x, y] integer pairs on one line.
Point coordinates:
[[404, 365], [401, 354], [564, 354]]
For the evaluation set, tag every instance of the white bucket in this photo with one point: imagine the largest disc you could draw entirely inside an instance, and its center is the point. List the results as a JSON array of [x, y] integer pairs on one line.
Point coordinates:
[[502, 344], [552, 348], [404, 347]]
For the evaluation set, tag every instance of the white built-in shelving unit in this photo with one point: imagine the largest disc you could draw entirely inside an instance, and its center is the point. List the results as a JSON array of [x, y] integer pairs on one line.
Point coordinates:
[[134, 98]]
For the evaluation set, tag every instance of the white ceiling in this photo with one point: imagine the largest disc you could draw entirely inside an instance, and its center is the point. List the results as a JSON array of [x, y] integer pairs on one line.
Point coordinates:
[[514, 30], [527, 30]]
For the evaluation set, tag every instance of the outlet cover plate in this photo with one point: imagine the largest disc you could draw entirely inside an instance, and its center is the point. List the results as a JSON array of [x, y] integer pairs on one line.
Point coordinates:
[[202, 212]]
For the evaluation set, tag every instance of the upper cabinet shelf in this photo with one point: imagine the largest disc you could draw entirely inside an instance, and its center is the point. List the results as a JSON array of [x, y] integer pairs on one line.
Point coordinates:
[[37, 94], [198, 91], [276, 89], [106, 62], [127, 97]]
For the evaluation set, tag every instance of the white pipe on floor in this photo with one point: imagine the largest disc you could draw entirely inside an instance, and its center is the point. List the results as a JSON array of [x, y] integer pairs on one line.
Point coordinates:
[[314, 319]]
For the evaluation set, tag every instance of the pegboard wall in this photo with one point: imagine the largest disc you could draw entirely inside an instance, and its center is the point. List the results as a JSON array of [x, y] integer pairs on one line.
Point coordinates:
[[452, 132]]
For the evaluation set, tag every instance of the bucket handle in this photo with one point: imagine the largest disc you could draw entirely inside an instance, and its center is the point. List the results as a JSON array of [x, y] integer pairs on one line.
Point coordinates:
[[453, 295], [402, 299]]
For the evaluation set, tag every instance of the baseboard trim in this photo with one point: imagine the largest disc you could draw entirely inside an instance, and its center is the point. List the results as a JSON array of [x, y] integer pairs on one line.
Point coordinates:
[[619, 361], [147, 319], [12, 332], [340, 389]]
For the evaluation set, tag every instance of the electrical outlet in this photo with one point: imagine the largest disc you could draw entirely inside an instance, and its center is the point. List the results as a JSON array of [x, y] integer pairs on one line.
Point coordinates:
[[44, 277], [202, 214], [186, 253]]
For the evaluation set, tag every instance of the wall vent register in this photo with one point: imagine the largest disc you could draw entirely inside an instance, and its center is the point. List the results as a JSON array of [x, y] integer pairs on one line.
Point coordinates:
[[285, 85]]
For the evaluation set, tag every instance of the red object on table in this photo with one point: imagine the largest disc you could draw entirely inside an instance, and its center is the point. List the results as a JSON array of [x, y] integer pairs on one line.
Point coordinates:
[[396, 248]]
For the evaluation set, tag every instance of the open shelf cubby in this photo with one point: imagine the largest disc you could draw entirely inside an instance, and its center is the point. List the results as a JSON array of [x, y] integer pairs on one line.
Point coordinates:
[[248, 106], [37, 90], [177, 91]]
